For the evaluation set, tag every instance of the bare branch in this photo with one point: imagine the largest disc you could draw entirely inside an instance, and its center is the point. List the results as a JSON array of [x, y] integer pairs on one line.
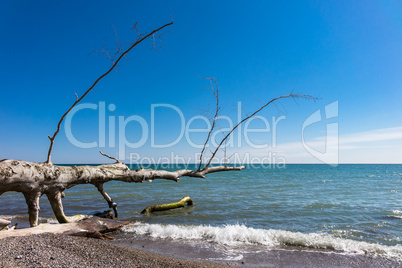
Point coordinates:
[[230, 156], [108, 199], [216, 94], [136, 29], [205, 111], [111, 53], [153, 42], [139, 40], [244, 110], [104, 50], [293, 96], [160, 40], [225, 147], [117, 160], [117, 37], [156, 36]]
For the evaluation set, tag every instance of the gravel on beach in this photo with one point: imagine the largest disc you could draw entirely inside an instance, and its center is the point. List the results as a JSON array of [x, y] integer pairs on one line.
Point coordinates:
[[50, 250]]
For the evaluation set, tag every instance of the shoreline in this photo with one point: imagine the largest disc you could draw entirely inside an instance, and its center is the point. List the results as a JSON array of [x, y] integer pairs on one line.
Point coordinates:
[[251, 255], [50, 250]]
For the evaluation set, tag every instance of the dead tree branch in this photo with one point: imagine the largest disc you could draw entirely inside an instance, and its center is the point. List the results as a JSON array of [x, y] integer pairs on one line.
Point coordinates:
[[294, 96], [113, 158], [36, 179], [138, 41], [215, 91], [108, 199]]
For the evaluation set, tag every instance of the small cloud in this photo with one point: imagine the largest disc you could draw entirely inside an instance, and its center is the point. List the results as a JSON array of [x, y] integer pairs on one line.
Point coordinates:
[[375, 146]]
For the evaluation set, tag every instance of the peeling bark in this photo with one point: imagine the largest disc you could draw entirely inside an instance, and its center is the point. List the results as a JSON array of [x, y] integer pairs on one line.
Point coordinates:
[[36, 179], [57, 207]]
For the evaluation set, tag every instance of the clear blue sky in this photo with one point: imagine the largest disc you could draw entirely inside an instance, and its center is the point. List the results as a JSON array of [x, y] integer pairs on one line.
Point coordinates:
[[345, 51]]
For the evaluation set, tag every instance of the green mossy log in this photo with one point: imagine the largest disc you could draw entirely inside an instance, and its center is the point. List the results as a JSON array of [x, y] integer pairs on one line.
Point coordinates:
[[182, 203]]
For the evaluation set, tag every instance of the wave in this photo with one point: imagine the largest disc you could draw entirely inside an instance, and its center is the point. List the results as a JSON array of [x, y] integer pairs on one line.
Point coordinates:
[[240, 234], [393, 216], [26, 218]]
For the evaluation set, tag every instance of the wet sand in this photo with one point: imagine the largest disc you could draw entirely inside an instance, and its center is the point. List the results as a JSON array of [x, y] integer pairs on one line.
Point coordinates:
[[49, 250], [252, 255]]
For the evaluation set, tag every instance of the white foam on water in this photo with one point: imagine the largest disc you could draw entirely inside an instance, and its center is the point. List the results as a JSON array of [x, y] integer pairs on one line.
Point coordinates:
[[51, 220], [240, 234], [395, 216], [8, 217], [231, 257]]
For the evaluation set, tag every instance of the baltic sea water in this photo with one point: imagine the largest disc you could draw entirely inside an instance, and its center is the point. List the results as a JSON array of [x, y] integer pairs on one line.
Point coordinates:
[[351, 208]]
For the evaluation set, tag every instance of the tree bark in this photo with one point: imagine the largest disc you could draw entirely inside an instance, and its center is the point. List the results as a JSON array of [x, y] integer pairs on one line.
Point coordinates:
[[185, 200], [36, 179]]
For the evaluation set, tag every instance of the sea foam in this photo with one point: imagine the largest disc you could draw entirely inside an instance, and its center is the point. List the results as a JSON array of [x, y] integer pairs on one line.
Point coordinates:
[[240, 234]]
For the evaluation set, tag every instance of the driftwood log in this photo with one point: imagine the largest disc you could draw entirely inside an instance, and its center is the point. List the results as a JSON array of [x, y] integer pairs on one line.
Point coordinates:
[[182, 203], [35, 179], [93, 227]]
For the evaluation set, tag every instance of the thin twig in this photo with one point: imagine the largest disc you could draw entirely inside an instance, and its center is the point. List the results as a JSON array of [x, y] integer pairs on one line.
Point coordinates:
[[216, 94], [108, 156]]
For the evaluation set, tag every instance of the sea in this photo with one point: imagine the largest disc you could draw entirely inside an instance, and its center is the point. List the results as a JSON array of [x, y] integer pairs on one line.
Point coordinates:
[[349, 210]]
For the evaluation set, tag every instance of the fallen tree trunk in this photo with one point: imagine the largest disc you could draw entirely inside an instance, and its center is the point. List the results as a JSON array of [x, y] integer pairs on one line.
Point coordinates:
[[36, 179], [92, 227], [182, 203]]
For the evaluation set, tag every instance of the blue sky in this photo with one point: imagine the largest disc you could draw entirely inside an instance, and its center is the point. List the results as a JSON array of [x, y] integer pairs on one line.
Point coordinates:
[[343, 52]]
